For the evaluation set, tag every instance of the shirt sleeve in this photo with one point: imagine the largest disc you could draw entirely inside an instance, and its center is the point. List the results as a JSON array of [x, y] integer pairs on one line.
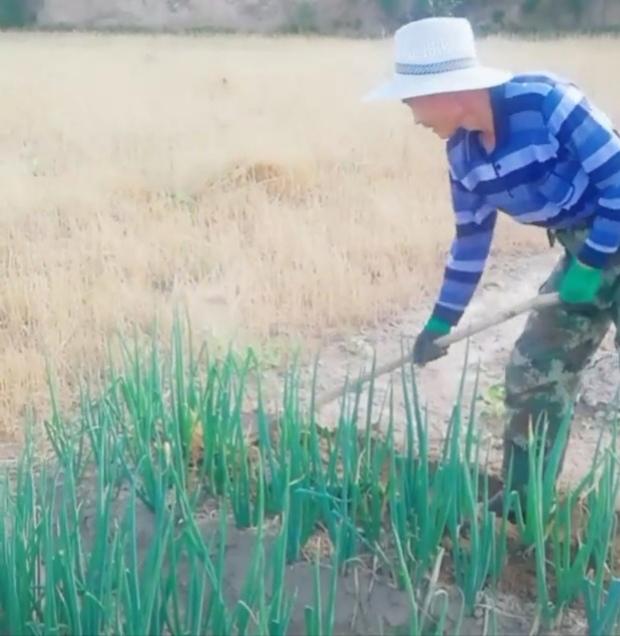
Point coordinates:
[[590, 137], [475, 223]]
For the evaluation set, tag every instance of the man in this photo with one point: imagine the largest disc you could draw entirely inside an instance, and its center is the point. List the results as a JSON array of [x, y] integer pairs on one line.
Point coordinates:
[[535, 148]]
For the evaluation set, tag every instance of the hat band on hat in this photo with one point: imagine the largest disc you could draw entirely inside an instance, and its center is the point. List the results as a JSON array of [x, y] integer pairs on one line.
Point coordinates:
[[436, 67]]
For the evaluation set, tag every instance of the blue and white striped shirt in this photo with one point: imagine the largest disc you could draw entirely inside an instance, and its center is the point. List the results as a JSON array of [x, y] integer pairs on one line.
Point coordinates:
[[556, 164]]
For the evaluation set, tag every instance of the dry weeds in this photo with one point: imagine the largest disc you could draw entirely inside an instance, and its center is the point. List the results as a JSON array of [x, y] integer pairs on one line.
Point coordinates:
[[241, 176]]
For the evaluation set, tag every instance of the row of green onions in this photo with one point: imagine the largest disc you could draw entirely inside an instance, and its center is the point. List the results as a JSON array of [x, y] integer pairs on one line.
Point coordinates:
[[135, 439]]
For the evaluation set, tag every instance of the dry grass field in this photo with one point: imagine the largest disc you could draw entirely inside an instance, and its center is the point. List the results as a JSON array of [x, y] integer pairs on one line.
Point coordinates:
[[241, 177]]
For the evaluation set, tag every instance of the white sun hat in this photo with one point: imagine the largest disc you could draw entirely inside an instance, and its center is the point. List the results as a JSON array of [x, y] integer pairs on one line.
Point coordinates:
[[436, 55]]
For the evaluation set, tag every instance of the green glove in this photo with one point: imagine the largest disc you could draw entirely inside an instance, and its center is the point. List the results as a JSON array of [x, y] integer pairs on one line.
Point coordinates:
[[425, 350], [437, 325], [580, 283]]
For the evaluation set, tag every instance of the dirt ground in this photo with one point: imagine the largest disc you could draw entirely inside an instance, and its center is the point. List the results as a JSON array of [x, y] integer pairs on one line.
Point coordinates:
[[367, 600]]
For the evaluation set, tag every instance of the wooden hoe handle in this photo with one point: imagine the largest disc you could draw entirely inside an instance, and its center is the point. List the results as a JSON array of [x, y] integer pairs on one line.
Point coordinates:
[[539, 302]]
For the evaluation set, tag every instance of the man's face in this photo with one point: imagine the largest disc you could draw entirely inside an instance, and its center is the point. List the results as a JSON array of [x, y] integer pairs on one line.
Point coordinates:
[[441, 113]]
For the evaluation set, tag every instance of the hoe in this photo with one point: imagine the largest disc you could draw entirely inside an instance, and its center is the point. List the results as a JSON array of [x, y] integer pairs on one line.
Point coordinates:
[[533, 304]]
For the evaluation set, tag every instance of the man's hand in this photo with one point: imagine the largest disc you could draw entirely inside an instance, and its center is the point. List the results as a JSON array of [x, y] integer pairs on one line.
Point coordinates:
[[580, 283], [425, 349]]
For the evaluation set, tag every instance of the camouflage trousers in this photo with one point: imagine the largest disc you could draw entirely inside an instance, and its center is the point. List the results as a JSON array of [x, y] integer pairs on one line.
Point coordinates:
[[543, 374]]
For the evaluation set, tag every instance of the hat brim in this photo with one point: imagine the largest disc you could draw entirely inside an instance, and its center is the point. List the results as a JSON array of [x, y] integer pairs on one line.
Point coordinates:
[[405, 86]]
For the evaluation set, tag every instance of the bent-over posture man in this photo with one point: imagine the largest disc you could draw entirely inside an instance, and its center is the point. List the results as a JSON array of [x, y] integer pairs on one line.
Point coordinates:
[[534, 147]]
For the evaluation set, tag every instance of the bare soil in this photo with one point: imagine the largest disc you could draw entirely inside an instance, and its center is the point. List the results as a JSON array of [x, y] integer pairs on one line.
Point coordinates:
[[368, 602]]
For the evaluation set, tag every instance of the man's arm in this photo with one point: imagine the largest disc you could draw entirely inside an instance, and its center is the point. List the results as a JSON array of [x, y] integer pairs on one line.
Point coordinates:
[[590, 137], [475, 223]]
